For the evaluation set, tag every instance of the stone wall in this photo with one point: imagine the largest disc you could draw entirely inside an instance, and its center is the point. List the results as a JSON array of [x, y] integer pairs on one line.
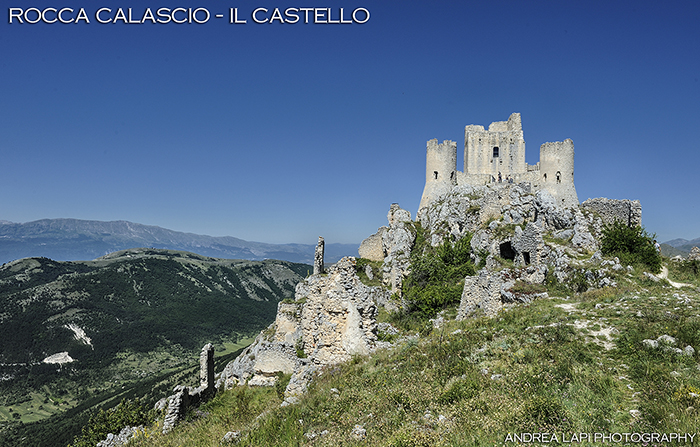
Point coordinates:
[[626, 211], [440, 168], [372, 247], [176, 405], [499, 149], [557, 171]]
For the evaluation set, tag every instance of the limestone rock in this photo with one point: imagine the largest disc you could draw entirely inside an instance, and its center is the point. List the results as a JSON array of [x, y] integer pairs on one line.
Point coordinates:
[[397, 242], [332, 318], [694, 254]]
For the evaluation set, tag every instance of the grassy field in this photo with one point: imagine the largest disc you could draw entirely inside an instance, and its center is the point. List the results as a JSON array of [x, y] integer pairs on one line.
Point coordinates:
[[561, 366]]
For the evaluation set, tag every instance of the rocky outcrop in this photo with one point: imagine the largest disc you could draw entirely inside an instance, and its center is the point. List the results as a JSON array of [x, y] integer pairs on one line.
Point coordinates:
[[694, 254], [392, 245], [123, 437], [397, 242], [332, 318]]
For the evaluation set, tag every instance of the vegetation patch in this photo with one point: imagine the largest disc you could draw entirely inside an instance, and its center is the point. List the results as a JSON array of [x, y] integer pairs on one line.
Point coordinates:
[[437, 275], [631, 244]]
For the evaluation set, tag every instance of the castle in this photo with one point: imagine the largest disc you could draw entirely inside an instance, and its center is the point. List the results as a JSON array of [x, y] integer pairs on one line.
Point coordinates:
[[497, 155]]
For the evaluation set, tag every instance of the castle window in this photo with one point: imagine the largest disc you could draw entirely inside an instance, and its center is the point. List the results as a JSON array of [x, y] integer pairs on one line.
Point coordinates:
[[452, 175], [545, 176], [558, 177], [495, 152], [435, 173]]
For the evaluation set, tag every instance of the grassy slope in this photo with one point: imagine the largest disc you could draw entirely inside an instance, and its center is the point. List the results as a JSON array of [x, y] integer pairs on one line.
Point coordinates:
[[542, 367]]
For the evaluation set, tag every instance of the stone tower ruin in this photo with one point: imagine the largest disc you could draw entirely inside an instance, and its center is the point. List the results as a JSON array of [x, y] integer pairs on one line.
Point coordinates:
[[497, 155]]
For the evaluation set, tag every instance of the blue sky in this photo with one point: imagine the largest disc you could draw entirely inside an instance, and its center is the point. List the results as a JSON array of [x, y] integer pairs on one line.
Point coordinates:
[[284, 132]]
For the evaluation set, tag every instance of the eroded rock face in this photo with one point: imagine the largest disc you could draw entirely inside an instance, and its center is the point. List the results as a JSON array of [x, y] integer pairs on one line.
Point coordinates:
[[332, 318], [338, 318], [397, 241], [694, 254]]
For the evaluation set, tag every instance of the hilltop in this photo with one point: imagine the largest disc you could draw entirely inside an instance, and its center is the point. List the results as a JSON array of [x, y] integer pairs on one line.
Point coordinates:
[[565, 340]]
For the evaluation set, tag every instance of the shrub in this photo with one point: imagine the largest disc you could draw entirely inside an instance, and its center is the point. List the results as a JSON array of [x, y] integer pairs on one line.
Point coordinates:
[[437, 274], [129, 413], [633, 245]]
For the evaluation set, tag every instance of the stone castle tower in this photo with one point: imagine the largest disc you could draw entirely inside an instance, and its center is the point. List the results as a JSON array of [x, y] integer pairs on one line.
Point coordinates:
[[497, 155]]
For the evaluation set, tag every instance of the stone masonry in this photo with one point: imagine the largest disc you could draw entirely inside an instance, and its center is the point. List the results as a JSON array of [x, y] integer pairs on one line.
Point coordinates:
[[332, 318], [318, 256], [178, 403]]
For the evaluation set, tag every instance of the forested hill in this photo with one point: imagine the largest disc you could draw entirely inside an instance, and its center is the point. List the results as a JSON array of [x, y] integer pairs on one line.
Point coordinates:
[[75, 239], [122, 318]]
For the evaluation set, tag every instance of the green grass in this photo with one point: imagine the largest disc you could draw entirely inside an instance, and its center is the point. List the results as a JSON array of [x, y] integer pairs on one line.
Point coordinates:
[[555, 365]]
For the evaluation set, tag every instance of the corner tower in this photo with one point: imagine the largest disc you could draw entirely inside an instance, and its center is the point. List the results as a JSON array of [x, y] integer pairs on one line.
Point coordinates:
[[440, 169], [557, 171]]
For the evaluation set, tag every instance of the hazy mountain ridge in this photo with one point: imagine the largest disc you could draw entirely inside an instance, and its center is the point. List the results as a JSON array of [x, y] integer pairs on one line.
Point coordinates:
[[683, 245], [75, 239]]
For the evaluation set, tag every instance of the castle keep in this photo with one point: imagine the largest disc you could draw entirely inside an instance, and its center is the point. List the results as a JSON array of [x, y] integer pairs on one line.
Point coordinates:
[[497, 155]]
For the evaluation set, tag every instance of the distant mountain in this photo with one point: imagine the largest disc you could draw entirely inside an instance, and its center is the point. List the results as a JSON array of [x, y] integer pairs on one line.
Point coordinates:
[[680, 245], [74, 239]]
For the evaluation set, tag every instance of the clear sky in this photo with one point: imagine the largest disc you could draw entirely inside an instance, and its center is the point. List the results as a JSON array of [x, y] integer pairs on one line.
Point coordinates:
[[283, 132]]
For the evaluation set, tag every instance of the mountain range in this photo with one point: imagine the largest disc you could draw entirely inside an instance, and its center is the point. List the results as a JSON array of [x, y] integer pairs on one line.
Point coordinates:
[[75, 239]]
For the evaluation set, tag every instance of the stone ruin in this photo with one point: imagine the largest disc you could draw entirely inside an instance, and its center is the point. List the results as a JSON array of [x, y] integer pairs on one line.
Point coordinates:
[[176, 406], [497, 155], [318, 256], [332, 318], [529, 215]]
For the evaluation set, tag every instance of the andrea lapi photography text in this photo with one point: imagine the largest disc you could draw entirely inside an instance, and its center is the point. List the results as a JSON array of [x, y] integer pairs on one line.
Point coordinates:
[[191, 15], [599, 438]]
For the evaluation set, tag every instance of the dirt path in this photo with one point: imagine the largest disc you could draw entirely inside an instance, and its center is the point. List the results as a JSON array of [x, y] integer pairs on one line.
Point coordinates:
[[664, 275]]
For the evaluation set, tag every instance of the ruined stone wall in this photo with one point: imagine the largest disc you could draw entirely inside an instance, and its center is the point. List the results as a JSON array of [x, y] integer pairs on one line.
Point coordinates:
[[610, 210], [372, 247]]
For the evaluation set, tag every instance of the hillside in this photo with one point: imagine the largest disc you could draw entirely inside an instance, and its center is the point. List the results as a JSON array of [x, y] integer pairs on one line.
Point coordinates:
[[508, 320], [74, 330], [556, 366], [74, 239]]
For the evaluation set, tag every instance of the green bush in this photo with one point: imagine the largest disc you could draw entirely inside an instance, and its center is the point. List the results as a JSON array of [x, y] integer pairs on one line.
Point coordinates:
[[632, 245], [437, 275], [131, 413]]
